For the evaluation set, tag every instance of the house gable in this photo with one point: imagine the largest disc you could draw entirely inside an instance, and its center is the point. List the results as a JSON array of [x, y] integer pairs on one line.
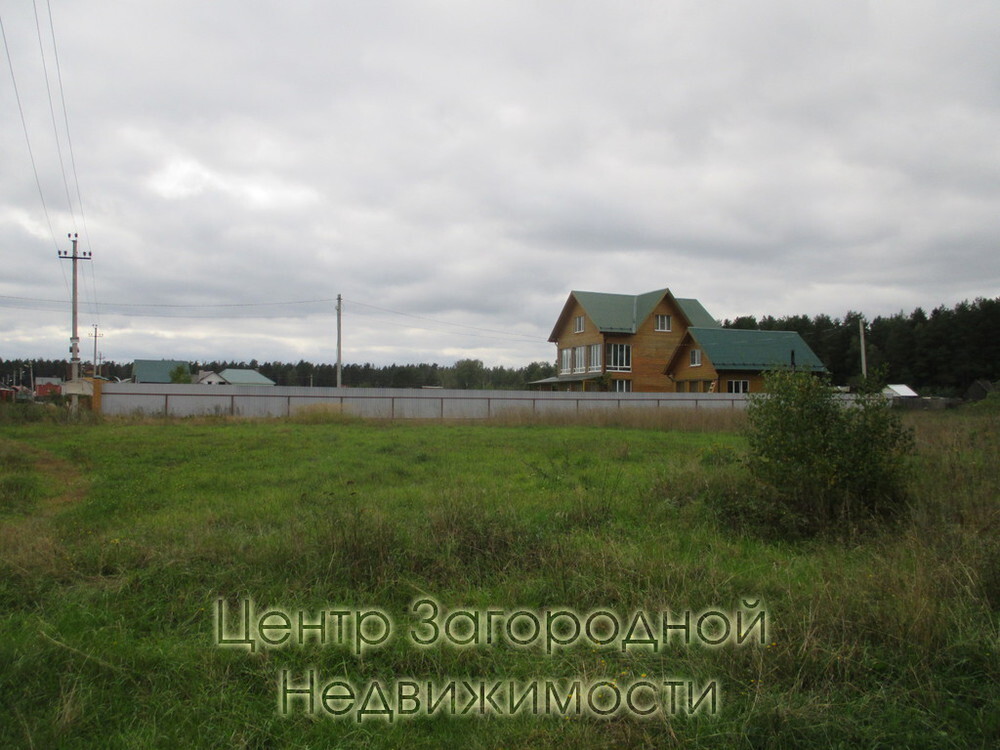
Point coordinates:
[[626, 313], [624, 337]]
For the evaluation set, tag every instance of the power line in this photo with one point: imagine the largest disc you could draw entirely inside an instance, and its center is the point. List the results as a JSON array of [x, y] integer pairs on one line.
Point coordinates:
[[27, 139], [175, 311], [69, 138], [52, 113], [154, 304], [72, 154], [442, 322]]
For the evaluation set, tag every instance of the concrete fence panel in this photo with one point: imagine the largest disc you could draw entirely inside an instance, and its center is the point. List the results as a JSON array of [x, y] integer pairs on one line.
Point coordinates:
[[179, 400]]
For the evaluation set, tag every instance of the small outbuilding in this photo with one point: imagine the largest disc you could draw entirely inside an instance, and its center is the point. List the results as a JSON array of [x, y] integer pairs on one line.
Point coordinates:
[[235, 376], [899, 391]]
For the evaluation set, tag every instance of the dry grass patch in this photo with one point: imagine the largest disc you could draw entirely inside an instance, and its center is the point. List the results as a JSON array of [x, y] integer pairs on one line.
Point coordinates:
[[664, 418]]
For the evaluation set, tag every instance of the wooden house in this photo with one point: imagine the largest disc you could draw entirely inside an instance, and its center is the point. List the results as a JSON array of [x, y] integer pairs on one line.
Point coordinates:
[[658, 342]]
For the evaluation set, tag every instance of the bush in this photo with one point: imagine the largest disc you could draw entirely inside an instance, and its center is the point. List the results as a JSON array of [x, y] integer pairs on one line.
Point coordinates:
[[830, 466]]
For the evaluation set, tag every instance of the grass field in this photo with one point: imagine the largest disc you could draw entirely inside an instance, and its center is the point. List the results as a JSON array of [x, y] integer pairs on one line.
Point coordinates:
[[117, 539]]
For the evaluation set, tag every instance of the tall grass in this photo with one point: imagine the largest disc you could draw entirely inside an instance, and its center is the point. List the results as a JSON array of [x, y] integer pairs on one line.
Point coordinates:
[[107, 588]]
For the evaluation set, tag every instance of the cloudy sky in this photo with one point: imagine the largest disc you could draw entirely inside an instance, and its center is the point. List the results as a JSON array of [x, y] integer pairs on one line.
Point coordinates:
[[455, 168]]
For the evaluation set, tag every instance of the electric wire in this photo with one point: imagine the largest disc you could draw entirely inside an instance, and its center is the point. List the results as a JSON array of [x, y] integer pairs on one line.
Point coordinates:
[[94, 302], [177, 311], [52, 114], [441, 322], [27, 138]]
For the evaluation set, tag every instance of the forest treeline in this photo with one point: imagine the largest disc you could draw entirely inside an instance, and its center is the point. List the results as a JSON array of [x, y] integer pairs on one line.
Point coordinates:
[[940, 353], [465, 374]]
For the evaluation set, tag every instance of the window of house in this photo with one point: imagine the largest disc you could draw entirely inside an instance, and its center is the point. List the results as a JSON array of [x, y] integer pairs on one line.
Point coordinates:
[[619, 358], [578, 324], [662, 322], [594, 365], [738, 386], [565, 361], [696, 357], [579, 359], [622, 386]]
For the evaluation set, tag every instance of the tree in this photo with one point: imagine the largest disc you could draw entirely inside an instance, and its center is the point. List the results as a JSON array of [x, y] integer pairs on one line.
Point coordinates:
[[180, 374], [469, 374], [823, 464]]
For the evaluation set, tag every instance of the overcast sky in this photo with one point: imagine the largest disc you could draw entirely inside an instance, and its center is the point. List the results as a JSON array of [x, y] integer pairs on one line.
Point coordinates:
[[455, 168]]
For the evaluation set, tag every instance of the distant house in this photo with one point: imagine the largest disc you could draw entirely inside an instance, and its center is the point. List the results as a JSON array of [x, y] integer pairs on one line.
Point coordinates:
[[207, 377], [658, 342], [157, 370], [233, 376], [48, 387]]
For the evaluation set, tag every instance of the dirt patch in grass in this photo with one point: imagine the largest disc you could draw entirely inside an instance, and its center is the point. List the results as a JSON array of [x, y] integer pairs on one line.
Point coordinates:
[[28, 543], [56, 472]]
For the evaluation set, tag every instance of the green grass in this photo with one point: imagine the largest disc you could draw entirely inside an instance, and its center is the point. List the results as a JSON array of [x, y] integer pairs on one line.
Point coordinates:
[[117, 538]]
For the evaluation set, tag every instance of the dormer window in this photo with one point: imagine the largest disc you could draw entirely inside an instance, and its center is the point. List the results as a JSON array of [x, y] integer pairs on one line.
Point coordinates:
[[578, 324]]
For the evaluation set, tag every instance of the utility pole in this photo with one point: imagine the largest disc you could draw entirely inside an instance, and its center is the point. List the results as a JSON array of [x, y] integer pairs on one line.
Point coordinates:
[[74, 342], [95, 335], [864, 359], [340, 366]]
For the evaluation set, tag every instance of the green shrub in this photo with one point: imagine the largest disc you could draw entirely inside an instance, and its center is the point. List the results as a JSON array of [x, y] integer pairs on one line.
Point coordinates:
[[830, 465]]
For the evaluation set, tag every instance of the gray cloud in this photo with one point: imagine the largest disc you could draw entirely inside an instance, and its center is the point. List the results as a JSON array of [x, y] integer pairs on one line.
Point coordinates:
[[470, 164]]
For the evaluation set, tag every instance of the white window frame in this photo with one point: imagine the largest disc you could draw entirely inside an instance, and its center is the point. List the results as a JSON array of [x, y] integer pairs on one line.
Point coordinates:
[[594, 363], [578, 324], [565, 361], [696, 358], [621, 386], [738, 386], [619, 358], [664, 323], [579, 359]]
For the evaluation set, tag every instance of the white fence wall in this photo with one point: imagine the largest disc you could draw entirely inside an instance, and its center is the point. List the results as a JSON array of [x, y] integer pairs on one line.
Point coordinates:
[[385, 403]]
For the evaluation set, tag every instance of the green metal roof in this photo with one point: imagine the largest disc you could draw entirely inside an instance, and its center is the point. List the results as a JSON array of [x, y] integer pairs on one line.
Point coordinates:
[[622, 313], [696, 314], [566, 379], [236, 376], [735, 349], [156, 370]]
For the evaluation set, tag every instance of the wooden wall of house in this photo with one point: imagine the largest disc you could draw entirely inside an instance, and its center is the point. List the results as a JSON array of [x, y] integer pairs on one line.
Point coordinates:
[[706, 379], [755, 379], [569, 339], [697, 379], [652, 348]]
